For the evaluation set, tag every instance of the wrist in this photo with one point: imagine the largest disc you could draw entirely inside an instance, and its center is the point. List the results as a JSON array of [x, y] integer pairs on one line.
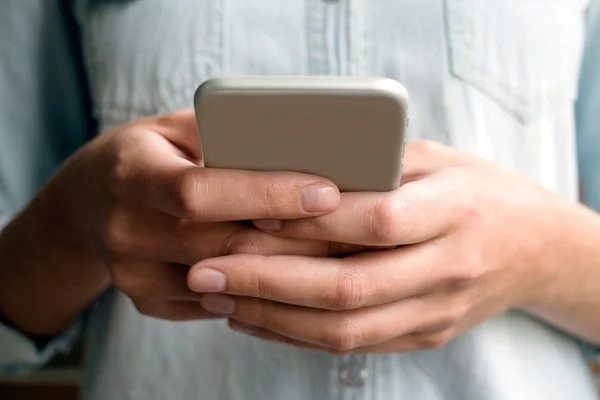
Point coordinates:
[[48, 273], [547, 259], [566, 293]]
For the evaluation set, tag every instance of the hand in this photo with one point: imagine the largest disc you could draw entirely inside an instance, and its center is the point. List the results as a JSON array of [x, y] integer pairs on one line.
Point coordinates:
[[133, 208], [473, 240]]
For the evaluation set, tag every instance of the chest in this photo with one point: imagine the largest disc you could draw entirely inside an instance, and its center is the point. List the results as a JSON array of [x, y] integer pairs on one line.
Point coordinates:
[[490, 76]]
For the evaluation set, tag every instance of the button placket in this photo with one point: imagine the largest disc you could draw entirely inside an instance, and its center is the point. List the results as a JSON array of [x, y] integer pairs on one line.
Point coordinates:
[[337, 45], [353, 370]]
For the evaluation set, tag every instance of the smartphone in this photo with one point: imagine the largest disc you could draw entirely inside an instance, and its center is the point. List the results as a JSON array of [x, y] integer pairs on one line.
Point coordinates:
[[349, 130]]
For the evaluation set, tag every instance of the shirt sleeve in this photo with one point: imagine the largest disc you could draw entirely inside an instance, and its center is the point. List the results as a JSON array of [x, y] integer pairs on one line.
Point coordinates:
[[588, 112], [588, 123], [43, 120]]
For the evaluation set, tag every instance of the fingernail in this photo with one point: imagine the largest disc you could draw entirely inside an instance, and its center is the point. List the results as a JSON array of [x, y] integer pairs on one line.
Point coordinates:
[[320, 198], [207, 280], [243, 328], [268, 224], [218, 304]]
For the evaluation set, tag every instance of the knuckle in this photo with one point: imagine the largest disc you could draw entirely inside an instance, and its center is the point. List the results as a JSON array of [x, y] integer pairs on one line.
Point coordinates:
[[125, 147], [344, 336], [349, 291], [425, 146], [261, 287], [242, 242], [188, 191], [264, 315], [386, 223], [117, 177], [270, 194], [172, 118], [467, 273], [277, 197], [304, 228], [458, 310], [117, 237], [468, 207], [434, 340], [448, 316], [128, 283]]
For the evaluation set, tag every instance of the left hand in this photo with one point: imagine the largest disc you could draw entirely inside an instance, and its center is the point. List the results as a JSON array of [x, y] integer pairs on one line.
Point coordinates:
[[473, 239]]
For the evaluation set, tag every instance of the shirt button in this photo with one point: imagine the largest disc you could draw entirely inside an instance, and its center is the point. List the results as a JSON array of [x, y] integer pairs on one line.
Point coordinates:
[[353, 373]]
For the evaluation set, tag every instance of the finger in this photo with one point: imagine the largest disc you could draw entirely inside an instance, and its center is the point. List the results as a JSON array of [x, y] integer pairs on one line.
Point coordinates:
[[357, 281], [201, 244], [341, 331], [155, 174], [416, 212], [141, 279], [160, 236], [410, 342], [180, 129], [424, 157], [173, 310], [406, 343], [421, 157], [270, 336]]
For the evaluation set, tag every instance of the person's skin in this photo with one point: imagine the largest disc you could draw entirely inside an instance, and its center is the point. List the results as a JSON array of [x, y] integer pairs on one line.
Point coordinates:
[[133, 208], [474, 239]]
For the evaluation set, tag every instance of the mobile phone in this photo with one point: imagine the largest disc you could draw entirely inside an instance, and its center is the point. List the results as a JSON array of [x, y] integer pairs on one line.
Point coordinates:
[[349, 130]]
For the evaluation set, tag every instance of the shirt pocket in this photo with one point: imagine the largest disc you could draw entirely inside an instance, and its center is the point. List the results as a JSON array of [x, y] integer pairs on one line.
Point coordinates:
[[523, 54], [148, 57]]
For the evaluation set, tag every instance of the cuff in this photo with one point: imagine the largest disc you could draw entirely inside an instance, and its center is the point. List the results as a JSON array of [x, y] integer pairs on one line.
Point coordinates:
[[20, 353]]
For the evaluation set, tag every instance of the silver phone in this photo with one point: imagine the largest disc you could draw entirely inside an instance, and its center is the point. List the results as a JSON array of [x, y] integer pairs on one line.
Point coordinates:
[[349, 130]]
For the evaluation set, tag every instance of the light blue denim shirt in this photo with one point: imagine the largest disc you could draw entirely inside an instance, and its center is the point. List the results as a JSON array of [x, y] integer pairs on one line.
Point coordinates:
[[498, 78]]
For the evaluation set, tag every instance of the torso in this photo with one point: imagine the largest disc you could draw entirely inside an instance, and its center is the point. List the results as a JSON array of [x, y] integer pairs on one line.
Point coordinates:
[[494, 77]]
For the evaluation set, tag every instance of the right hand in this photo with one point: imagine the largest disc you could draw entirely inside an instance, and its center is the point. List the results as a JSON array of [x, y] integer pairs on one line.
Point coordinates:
[[144, 209]]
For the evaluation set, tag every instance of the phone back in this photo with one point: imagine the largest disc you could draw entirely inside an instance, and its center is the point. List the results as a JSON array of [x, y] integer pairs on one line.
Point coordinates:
[[350, 130]]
